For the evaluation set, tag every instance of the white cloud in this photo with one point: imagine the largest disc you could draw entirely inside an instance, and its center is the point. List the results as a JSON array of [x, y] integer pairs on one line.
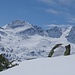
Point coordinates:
[[57, 6], [64, 2], [52, 11], [61, 8], [47, 1], [52, 25], [58, 12], [72, 20], [58, 25]]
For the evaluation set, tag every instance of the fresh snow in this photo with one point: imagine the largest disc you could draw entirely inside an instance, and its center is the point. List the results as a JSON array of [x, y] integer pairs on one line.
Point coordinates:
[[44, 66]]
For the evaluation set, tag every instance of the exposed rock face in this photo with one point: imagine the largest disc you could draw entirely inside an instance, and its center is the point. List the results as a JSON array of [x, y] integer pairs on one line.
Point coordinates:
[[68, 49], [52, 51], [4, 63], [56, 52]]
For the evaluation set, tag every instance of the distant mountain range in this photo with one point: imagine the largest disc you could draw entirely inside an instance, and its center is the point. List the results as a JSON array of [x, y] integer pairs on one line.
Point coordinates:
[[20, 40]]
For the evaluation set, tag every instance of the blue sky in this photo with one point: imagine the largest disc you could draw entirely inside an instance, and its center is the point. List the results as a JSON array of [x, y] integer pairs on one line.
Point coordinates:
[[38, 12]]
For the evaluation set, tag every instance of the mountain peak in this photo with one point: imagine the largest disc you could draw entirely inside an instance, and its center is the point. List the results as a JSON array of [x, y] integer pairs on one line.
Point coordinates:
[[54, 32], [17, 23]]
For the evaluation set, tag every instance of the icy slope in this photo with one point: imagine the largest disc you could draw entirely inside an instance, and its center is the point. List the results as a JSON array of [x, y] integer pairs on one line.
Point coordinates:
[[44, 66]]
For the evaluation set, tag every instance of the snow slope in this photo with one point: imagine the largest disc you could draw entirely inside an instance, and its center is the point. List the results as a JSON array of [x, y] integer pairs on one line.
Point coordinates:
[[44, 66]]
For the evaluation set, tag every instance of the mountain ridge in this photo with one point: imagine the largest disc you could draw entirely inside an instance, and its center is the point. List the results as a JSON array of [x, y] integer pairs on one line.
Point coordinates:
[[26, 41]]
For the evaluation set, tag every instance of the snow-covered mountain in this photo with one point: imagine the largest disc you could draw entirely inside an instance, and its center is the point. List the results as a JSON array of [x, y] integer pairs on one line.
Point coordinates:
[[20, 40], [71, 36], [55, 32]]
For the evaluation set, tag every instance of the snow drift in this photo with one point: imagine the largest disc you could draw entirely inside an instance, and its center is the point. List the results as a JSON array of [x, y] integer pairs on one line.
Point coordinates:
[[44, 66]]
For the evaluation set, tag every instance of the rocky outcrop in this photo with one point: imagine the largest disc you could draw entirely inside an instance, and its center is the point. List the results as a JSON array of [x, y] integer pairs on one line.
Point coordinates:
[[52, 51], [5, 63], [68, 49]]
